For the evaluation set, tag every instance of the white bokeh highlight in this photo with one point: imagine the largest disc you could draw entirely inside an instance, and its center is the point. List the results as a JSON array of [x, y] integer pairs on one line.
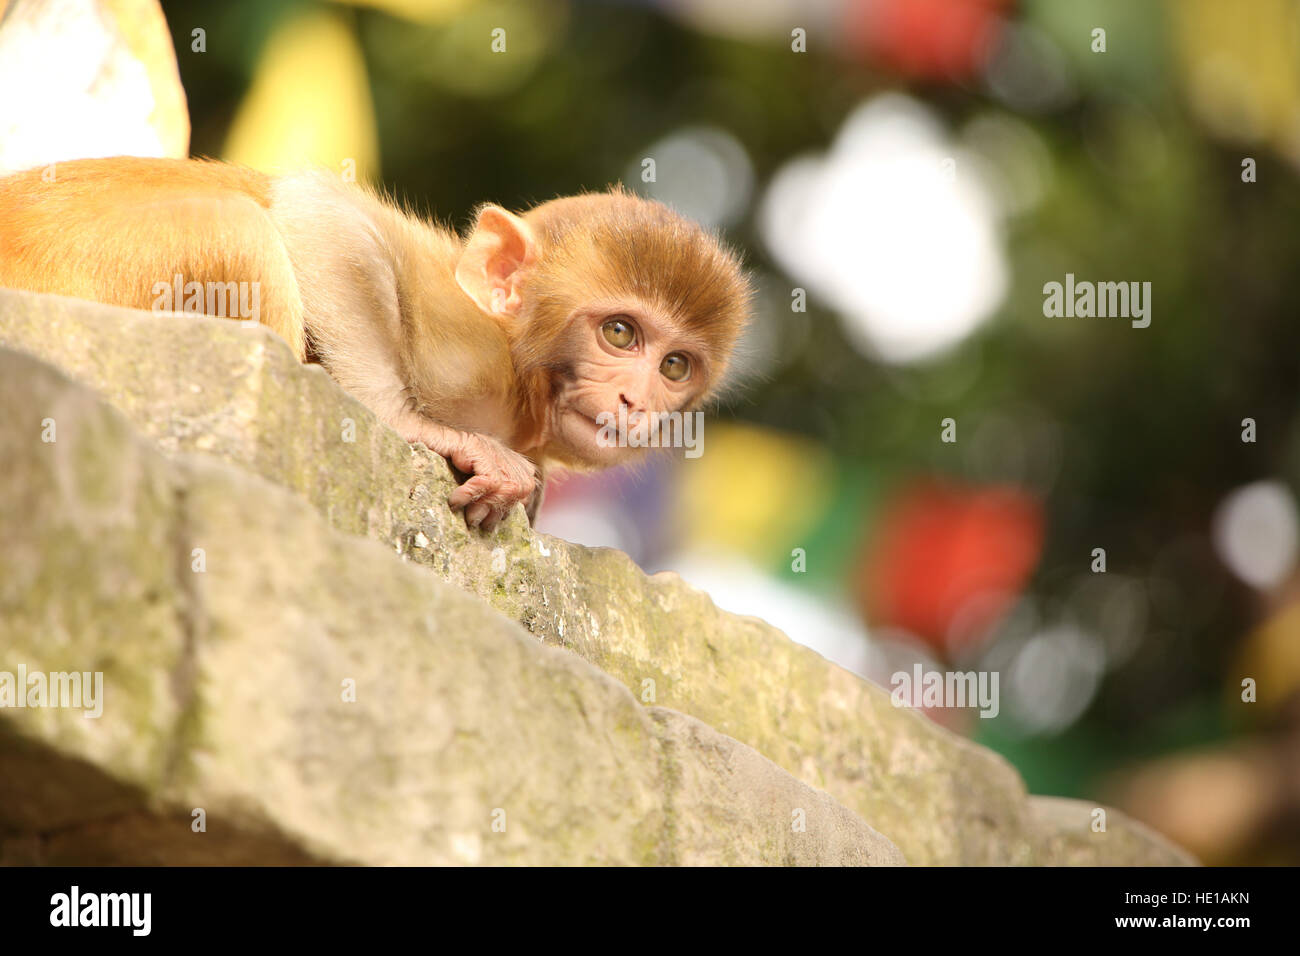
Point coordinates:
[[702, 172], [1255, 533], [894, 229]]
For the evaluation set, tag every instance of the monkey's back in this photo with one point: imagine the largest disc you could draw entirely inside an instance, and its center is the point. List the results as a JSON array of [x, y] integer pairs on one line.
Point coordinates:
[[112, 229]]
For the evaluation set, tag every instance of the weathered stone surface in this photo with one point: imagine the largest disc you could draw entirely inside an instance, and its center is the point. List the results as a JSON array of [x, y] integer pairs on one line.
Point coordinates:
[[225, 689], [201, 385], [1067, 838]]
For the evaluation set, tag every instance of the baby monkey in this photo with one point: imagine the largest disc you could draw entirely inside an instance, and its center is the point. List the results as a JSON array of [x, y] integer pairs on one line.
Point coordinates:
[[498, 350]]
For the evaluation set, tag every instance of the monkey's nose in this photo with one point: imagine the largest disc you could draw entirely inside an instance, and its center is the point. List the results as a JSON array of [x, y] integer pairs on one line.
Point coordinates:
[[632, 406]]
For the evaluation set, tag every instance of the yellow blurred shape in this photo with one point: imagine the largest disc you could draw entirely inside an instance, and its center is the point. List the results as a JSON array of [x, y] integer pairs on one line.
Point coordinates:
[[754, 491], [1272, 657], [309, 103], [1213, 803], [419, 11], [1242, 63]]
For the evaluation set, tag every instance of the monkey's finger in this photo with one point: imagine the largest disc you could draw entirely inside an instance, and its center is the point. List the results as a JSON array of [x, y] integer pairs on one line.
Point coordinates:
[[476, 513], [500, 512], [471, 457], [477, 487]]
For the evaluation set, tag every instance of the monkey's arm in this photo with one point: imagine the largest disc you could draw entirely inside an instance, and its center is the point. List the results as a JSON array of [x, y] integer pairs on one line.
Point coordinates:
[[377, 290]]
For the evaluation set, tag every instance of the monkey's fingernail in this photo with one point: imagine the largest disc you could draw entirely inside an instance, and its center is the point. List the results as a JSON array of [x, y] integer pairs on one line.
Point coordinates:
[[476, 514]]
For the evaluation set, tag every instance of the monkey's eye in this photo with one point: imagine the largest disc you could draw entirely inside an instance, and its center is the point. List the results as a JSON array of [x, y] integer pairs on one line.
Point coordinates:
[[619, 333], [675, 367]]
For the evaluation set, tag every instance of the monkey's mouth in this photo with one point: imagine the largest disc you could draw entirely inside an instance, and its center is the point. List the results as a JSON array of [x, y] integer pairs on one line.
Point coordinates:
[[599, 436], [590, 420], [619, 431]]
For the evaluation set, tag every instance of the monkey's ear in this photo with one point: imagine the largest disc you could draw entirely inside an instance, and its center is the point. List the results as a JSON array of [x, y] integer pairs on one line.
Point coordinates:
[[489, 268]]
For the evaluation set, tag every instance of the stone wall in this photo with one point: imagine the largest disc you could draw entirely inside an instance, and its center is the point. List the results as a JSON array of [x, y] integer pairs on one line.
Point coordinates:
[[602, 714]]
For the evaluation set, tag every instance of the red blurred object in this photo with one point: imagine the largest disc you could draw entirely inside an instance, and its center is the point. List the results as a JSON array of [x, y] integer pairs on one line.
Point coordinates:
[[931, 39], [947, 561]]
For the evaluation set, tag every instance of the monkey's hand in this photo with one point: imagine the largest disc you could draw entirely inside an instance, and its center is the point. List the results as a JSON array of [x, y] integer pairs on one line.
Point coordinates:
[[499, 480]]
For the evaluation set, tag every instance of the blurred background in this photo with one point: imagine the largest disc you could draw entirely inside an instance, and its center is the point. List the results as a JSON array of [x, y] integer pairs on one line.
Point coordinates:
[[1111, 524]]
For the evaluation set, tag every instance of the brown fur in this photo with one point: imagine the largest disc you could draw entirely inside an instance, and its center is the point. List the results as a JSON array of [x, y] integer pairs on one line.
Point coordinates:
[[617, 245], [108, 229]]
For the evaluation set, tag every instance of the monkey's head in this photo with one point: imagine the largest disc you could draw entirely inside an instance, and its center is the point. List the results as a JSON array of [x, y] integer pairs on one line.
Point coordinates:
[[624, 309]]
